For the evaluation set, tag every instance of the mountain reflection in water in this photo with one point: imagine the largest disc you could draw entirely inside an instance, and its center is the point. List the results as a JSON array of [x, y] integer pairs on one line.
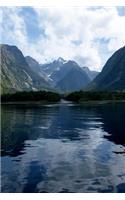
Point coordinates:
[[63, 148]]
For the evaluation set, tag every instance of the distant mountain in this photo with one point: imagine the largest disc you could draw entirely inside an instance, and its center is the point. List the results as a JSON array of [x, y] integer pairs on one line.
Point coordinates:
[[57, 69], [61, 71], [72, 77], [50, 68], [91, 74], [112, 76], [16, 75], [68, 76]]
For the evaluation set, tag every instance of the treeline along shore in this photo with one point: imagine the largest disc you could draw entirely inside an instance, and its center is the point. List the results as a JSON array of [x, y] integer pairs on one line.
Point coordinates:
[[77, 97], [33, 96], [82, 96]]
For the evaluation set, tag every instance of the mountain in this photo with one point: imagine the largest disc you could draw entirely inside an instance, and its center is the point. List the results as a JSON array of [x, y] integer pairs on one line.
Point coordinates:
[[91, 74], [59, 73], [56, 70], [50, 68], [63, 75], [19, 73], [16, 75], [36, 67], [112, 76], [33, 64], [67, 76], [73, 77]]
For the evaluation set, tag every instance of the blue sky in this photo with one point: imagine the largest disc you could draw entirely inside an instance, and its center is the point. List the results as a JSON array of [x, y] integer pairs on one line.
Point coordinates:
[[88, 35]]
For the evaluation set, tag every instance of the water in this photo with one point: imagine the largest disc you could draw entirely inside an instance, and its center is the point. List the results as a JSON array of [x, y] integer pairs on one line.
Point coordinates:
[[63, 148]]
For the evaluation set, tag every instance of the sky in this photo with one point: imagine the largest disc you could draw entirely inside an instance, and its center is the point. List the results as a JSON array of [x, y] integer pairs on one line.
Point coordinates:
[[88, 35]]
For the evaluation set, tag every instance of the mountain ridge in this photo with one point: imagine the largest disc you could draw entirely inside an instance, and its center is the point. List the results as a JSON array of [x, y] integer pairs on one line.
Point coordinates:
[[19, 73], [112, 76], [16, 75]]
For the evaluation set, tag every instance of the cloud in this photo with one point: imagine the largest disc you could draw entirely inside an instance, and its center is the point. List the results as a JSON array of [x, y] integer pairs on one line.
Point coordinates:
[[87, 35]]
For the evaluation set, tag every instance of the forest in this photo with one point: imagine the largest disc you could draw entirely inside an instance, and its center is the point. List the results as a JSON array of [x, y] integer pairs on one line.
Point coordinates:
[[82, 96], [31, 96]]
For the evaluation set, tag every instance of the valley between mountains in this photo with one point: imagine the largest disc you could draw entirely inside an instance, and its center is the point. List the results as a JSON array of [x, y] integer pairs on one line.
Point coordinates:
[[20, 73]]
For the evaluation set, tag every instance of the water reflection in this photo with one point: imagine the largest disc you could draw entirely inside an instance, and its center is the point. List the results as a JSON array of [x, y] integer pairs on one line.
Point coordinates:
[[63, 148], [113, 117]]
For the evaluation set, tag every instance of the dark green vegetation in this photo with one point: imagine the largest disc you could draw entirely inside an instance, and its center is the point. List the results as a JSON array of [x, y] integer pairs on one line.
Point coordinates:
[[80, 96], [95, 96], [112, 76], [31, 96]]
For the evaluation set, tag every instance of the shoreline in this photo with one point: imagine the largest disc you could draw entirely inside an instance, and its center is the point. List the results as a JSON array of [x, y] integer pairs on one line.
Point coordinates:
[[28, 102], [90, 102], [96, 102]]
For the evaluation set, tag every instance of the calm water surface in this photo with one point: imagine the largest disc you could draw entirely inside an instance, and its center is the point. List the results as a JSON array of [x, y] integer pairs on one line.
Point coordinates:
[[63, 148]]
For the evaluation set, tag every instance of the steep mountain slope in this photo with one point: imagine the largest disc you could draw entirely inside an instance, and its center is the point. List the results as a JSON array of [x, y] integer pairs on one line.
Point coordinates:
[[73, 77], [63, 70], [33, 64], [112, 76], [50, 68], [57, 69], [91, 74], [16, 75], [37, 68], [67, 76]]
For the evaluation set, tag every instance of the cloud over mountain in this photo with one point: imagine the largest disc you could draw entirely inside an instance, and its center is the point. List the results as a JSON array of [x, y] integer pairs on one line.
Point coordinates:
[[88, 35]]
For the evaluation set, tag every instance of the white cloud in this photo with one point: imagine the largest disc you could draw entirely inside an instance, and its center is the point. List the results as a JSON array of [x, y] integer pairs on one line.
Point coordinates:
[[71, 33]]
